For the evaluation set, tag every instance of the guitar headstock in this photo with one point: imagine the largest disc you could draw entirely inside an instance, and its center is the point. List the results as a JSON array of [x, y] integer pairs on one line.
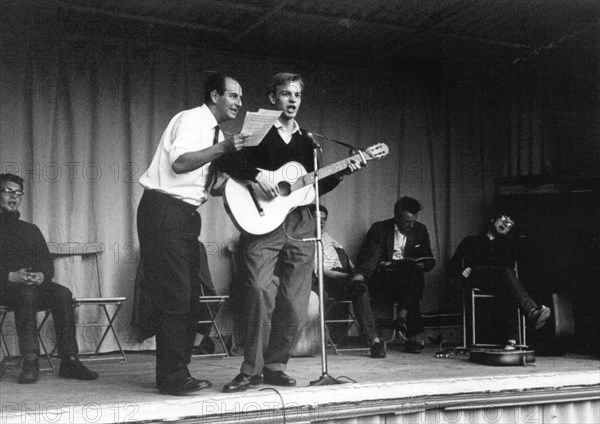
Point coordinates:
[[376, 151]]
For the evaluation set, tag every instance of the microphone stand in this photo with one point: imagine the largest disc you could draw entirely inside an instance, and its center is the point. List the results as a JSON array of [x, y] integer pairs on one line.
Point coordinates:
[[325, 378]]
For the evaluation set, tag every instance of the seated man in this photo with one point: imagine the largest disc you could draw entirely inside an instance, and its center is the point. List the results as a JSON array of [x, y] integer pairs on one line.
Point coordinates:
[[385, 260], [26, 286], [337, 273], [487, 262]]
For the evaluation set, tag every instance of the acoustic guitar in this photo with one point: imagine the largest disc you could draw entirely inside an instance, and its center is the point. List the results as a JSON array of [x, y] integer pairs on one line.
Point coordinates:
[[254, 213]]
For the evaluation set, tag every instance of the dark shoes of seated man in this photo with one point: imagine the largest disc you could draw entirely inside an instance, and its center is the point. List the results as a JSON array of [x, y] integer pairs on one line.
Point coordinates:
[[378, 350], [413, 346], [69, 368], [243, 381]]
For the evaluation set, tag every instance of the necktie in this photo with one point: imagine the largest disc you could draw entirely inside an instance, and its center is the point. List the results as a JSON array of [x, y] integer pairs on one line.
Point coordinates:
[[216, 137], [212, 174]]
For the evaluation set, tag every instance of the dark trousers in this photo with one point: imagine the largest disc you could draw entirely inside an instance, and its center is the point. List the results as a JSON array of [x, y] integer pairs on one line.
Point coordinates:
[[504, 284], [27, 300], [404, 284], [168, 231], [358, 293], [276, 272]]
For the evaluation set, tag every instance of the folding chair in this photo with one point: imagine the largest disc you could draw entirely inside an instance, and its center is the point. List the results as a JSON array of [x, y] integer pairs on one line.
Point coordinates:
[[471, 294], [93, 250], [350, 320], [213, 305], [4, 310]]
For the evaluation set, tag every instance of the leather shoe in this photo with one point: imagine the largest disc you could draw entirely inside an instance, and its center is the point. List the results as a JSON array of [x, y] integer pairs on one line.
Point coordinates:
[[183, 387], [278, 378], [73, 368], [537, 317], [30, 372], [378, 350], [412, 346], [242, 382]]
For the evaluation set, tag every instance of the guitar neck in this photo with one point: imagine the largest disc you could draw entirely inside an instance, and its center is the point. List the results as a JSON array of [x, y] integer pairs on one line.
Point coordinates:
[[324, 172]]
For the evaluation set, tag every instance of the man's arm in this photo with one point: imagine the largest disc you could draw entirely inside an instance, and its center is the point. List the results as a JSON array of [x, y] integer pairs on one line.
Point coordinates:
[[37, 261], [3, 274], [329, 183], [460, 260], [45, 263], [425, 251], [370, 253], [191, 161]]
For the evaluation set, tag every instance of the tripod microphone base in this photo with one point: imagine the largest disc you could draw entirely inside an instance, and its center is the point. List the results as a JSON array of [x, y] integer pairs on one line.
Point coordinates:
[[326, 380]]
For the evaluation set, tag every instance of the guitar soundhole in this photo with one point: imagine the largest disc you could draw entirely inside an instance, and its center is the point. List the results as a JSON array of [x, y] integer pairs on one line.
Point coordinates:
[[284, 188]]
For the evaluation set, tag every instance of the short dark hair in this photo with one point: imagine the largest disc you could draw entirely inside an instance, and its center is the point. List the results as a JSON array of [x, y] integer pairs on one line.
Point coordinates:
[[321, 208], [12, 178], [284, 78], [496, 216], [408, 204], [215, 81]]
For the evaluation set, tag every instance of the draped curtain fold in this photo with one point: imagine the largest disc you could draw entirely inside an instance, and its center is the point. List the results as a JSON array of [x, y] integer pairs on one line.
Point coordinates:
[[80, 121]]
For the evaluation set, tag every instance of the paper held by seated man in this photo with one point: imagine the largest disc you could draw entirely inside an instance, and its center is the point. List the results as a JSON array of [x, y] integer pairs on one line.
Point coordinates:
[[390, 266]]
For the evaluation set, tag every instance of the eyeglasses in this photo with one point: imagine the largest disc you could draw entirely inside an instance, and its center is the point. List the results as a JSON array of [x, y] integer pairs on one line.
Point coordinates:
[[11, 192]]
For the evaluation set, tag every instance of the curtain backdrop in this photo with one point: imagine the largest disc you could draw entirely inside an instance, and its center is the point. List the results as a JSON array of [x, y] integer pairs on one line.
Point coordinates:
[[80, 121]]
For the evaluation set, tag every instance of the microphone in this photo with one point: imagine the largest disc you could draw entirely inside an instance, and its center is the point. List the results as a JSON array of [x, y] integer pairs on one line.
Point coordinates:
[[313, 141]]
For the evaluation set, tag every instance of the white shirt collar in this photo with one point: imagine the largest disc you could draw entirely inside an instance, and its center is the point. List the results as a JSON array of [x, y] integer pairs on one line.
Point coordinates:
[[286, 136]]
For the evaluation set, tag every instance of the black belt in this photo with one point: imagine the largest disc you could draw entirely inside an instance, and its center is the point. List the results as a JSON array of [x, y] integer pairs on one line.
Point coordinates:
[[170, 199]]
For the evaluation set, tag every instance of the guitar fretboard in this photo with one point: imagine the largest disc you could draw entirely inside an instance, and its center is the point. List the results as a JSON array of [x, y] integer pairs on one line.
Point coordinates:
[[324, 172]]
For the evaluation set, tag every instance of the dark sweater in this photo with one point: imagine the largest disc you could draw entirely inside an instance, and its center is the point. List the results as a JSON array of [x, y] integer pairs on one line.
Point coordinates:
[[480, 251], [22, 245], [271, 154]]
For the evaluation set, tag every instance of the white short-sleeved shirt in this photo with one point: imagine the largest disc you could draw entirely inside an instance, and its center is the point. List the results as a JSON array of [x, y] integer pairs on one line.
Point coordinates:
[[188, 131], [331, 258]]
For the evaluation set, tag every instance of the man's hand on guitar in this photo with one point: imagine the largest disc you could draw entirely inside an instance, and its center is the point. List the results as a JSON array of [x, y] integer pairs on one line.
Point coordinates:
[[236, 142], [351, 167], [354, 165], [270, 188]]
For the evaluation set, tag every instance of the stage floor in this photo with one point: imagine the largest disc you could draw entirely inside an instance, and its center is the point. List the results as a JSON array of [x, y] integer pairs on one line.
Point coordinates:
[[126, 392]]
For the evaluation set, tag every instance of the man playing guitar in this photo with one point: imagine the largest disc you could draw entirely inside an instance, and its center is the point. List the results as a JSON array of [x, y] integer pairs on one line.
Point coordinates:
[[275, 308]]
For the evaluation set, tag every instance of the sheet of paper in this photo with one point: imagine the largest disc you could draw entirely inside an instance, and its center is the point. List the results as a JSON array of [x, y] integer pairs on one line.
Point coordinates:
[[258, 124]]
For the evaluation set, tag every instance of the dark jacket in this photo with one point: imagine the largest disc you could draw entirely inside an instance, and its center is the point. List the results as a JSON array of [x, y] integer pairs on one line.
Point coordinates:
[[480, 251], [22, 245], [379, 246], [271, 154]]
